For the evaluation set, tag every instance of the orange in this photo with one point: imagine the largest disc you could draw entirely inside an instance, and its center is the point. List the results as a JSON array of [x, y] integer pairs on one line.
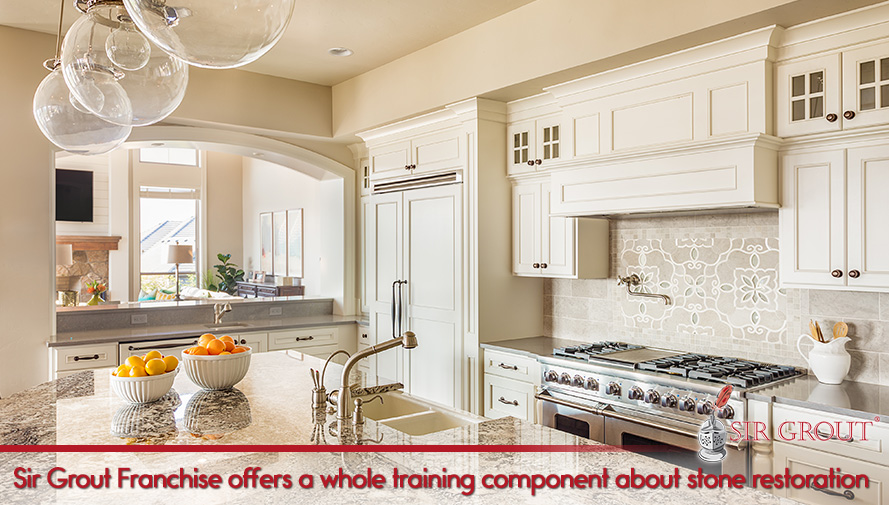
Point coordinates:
[[224, 353], [199, 351], [238, 349], [215, 347], [229, 345], [226, 338], [171, 362]]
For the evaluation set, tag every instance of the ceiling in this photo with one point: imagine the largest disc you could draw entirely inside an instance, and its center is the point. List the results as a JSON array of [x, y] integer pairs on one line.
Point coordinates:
[[378, 31]]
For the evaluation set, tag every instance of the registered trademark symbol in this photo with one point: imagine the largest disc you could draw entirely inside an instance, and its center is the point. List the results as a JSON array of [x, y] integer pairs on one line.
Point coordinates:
[[877, 418]]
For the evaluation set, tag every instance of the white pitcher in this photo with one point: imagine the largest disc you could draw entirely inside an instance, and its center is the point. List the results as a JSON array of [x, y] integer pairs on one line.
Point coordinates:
[[829, 361]]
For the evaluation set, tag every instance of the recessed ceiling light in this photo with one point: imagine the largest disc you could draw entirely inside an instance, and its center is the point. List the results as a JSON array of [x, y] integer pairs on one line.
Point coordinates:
[[258, 155], [340, 51], [157, 144]]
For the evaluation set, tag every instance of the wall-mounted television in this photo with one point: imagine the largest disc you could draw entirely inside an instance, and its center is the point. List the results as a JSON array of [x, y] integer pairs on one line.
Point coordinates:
[[74, 195]]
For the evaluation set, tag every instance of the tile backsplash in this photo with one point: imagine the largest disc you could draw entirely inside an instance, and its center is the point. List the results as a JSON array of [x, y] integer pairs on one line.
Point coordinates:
[[722, 273]]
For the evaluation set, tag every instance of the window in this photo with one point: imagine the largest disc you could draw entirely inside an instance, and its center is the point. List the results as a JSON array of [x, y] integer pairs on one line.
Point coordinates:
[[167, 216], [169, 155]]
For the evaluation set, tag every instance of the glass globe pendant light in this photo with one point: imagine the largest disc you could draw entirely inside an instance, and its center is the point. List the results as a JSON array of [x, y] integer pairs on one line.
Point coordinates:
[[64, 120], [109, 72], [212, 33]]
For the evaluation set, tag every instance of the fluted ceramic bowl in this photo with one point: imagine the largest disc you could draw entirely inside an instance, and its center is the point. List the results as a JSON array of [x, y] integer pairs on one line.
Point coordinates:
[[216, 372], [143, 389]]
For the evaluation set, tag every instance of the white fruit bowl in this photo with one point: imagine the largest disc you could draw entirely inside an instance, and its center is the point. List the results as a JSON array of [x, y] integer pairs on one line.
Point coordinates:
[[216, 372], [143, 389]]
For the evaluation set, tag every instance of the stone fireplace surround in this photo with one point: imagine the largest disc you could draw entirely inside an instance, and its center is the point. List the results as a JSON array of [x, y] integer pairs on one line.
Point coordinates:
[[90, 263]]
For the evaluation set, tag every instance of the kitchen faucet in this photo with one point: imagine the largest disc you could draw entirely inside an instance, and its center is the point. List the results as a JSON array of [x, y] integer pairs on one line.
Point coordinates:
[[219, 310], [344, 395]]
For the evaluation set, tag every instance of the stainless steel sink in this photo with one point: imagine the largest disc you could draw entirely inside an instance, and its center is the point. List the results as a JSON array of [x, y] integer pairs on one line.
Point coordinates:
[[225, 326]]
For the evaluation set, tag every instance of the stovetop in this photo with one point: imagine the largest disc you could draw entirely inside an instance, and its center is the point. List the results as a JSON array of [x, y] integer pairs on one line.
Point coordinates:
[[586, 351]]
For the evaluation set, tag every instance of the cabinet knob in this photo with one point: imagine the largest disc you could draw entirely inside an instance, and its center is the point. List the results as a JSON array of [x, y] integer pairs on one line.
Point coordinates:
[[831, 117], [849, 114], [531, 163], [413, 167], [837, 273], [854, 274], [536, 265], [407, 167], [537, 162], [543, 265]]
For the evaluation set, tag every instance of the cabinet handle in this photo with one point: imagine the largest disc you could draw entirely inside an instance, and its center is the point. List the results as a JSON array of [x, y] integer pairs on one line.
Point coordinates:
[[301, 339], [543, 265], [854, 274], [504, 401], [831, 117], [837, 273], [537, 162], [161, 346], [508, 367], [243, 341], [828, 436], [847, 494], [86, 358], [413, 167], [407, 167], [849, 114], [536, 265], [364, 335], [531, 163]]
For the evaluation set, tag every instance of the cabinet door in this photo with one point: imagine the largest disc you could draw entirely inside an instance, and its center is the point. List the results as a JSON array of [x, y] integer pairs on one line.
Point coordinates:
[[520, 148], [866, 86], [366, 215], [526, 225], [390, 160], [258, 342], [441, 151], [433, 255], [549, 140], [812, 219], [868, 210], [385, 262], [802, 461], [558, 240], [808, 91]]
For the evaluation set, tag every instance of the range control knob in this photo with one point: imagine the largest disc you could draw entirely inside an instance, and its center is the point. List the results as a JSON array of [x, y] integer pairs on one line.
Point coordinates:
[[612, 388], [725, 412], [652, 396], [592, 384], [668, 401], [578, 381], [687, 404], [635, 393], [705, 408], [565, 379], [551, 376]]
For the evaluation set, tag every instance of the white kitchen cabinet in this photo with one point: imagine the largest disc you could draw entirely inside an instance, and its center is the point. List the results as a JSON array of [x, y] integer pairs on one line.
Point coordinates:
[[257, 341], [534, 144], [835, 91], [510, 384], [438, 151], [72, 359], [302, 337], [416, 236], [554, 246], [833, 230]]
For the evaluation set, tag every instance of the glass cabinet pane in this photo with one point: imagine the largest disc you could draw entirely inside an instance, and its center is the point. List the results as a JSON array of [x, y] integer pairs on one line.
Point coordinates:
[[884, 69], [798, 111], [884, 96], [868, 99], [556, 133], [816, 82], [798, 85], [816, 106], [866, 72]]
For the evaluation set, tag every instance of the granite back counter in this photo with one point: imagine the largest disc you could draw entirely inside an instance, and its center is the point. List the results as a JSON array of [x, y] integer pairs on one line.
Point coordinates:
[[272, 406]]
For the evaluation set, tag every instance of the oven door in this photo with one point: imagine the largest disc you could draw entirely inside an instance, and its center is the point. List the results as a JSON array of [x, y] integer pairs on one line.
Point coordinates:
[[566, 413], [671, 441]]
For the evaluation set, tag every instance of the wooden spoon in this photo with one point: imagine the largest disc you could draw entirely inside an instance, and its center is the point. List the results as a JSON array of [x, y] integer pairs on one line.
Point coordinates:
[[813, 331], [820, 334], [840, 330]]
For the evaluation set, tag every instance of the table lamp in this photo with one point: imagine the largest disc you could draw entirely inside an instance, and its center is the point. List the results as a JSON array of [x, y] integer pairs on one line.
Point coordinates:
[[179, 254]]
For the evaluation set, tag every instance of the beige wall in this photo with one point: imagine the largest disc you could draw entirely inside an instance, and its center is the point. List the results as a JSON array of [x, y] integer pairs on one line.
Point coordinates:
[[268, 187], [224, 211], [26, 218]]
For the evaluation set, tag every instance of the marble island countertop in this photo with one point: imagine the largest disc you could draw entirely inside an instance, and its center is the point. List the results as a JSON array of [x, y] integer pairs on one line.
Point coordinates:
[[272, 405], [142, 333]]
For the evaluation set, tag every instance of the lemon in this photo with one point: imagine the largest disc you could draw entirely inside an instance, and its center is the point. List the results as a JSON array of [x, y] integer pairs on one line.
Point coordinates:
[[135, 361], [122, 371], [171, 363], [138, 371], [153, 355], [155, 366]]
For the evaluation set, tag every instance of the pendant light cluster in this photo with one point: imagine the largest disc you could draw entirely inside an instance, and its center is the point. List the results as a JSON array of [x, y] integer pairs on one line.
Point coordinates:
[[124, 63]]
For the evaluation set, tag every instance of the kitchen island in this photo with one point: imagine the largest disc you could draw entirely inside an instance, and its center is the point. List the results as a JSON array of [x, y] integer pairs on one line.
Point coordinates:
[[272, 406]]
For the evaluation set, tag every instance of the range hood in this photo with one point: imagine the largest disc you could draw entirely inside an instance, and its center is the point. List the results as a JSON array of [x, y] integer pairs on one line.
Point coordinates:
[[729, 173]]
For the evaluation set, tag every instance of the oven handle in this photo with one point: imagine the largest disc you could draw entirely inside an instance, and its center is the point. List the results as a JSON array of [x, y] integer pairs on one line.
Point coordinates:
[[566, 403]]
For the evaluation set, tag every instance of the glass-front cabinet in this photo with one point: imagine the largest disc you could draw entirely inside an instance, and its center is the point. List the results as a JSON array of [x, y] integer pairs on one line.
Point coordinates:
[[534, 144]]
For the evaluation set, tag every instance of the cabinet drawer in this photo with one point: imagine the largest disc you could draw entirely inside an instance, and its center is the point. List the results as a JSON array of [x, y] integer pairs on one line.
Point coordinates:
[[84, 357], [794, 421], [800, 460], [266, 291], [507, 397], [512, 366], [303, 337]]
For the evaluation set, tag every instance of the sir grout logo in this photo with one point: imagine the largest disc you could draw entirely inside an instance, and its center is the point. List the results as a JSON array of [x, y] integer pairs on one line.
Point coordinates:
[[712, 435]]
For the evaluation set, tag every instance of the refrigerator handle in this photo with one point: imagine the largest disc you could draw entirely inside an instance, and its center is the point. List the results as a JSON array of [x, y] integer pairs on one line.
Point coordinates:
[[401, 317], [395, 285]]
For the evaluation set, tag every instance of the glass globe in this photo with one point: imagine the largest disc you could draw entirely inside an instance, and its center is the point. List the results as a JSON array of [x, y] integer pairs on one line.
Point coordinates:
[[69, 128], [127, 48], [138, 97], [212, 33]]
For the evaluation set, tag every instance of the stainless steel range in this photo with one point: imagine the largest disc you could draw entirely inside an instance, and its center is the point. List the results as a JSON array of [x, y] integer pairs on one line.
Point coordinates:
[[649, 400]]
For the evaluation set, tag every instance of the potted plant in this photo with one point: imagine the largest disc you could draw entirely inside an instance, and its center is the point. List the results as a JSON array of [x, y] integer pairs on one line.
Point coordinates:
[[228, 274], [95, 288]]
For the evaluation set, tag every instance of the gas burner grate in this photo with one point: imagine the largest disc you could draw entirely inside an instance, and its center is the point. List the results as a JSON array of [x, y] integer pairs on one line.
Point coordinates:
[[586, 351], [734, 371]]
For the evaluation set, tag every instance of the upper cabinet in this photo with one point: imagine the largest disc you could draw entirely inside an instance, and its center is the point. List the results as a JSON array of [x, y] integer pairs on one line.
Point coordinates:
[[534, 144], [833, 229], [439, 151], [835, 91]]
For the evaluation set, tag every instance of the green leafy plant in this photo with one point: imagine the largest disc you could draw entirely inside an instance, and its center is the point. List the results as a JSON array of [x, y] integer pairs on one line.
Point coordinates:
[[228, 274], [208, 281]]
